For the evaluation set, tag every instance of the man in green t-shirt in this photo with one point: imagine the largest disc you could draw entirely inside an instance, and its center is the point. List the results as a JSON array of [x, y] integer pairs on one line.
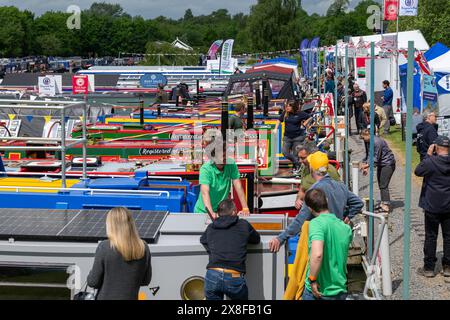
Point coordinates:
[[305, 176], [216, 177], [236, 122], [329, 239]]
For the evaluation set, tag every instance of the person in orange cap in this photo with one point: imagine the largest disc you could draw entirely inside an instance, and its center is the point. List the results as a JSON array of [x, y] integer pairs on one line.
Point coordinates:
[[343, 203]]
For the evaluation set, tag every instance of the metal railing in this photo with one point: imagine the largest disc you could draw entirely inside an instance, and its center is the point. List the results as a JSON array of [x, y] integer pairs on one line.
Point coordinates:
[[92, 191], [53, 105], [371, 281]]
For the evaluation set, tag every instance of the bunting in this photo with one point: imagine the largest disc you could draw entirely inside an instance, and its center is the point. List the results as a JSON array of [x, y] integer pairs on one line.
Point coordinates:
[[47, 119], [11, 116]]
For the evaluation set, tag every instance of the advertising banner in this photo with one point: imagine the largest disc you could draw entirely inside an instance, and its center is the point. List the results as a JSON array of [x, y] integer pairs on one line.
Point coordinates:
[[390, 9], [212, 52], [304, 57], [408, 7], [80, 84], [153, 80], [429, 88], [226, 64], [47, 86]]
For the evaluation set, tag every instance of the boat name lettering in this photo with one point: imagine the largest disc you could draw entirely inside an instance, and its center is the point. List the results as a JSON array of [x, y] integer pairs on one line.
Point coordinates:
[[155, 151]]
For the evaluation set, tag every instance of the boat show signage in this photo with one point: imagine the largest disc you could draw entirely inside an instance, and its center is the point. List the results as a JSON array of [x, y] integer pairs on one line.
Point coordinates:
[[50, 85], [80, 84], [153, 80], [408, 7]]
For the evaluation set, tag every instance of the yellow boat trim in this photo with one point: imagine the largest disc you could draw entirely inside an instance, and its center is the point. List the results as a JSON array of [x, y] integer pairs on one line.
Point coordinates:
[[34, 183]]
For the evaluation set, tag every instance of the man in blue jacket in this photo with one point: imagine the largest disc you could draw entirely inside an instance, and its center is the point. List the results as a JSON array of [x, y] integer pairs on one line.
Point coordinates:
[[387, 104], [435, 201], [341, 202]]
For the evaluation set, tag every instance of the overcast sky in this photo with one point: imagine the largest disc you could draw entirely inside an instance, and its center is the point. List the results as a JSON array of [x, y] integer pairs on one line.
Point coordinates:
[[168, 8]]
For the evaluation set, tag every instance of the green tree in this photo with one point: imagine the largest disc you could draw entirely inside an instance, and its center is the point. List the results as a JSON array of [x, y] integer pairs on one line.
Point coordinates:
[[270, 24], [14, 31], [107, 9], [188, 15], [50, 45], [338, 7], [433, 20]]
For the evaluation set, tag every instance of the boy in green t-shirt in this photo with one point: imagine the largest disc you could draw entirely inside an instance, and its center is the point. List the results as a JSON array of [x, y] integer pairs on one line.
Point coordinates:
[[328, 243], [236, 120]]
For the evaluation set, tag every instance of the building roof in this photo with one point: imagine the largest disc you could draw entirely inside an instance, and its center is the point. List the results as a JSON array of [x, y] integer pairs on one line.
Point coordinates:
[[403, 37], [180, 44]]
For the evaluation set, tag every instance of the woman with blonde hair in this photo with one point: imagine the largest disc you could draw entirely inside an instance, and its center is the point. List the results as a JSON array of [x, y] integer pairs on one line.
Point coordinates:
[[123, 262]]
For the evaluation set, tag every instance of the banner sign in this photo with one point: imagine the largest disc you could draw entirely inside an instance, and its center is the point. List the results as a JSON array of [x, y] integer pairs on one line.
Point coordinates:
[[226, 64], [314, 45], [304, 57], [50, 85], [153, 80], [80, 84], [390, 9], [408, 7], [429, 88], [212, 52], [443, 82]]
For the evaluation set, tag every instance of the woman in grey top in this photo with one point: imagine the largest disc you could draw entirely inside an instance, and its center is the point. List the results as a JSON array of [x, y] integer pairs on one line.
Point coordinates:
[[384, 160], [123, 262]]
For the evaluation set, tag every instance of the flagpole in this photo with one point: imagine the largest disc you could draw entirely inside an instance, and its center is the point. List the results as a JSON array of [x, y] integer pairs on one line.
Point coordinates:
[[220, 60], [397, 55]]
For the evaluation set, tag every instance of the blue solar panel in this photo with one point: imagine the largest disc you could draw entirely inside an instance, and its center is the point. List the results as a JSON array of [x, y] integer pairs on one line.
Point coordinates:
[[71, 225]]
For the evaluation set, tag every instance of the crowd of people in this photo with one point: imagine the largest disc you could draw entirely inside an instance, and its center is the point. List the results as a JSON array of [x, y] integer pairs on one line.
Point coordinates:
[[326, 207]]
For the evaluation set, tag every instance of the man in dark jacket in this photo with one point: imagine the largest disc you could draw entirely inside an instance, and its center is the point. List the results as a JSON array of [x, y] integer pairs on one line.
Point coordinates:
[[226, 242], [358, 98], [426, 133], [435, 201]]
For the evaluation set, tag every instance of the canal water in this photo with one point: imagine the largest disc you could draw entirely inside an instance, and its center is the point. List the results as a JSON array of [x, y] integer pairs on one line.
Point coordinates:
[[21, 283]]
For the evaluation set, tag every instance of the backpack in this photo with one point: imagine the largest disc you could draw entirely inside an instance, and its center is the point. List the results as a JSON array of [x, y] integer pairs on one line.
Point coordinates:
[[419, 142], [392, 121]]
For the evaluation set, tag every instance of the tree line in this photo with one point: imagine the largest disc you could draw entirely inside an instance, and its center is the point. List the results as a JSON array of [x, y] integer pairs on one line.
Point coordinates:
[[271, 25]]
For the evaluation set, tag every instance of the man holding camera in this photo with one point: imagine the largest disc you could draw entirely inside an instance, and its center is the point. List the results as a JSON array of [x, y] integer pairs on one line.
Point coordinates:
[[435, 201]]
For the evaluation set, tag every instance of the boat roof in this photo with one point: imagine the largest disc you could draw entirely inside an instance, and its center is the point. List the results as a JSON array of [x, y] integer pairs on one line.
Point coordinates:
[[271, 68]]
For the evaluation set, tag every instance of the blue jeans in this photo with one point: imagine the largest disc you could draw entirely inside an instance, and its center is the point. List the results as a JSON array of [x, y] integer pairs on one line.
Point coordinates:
[[307, 295], [218, 284]]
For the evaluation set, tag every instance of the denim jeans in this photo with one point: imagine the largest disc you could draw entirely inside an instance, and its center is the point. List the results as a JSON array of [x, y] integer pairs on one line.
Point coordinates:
[[290, 148], [307, 295], [218, 284], [432, 222]]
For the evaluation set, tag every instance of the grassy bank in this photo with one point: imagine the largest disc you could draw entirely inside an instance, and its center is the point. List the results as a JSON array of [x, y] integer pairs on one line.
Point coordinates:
[[399, 147]]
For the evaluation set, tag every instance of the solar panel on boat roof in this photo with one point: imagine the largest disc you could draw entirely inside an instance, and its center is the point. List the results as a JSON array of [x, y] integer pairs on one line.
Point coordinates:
[[71, 225]]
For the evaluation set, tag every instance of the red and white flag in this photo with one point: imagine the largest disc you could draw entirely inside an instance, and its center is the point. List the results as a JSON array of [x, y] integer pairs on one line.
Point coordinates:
[[422, 62]]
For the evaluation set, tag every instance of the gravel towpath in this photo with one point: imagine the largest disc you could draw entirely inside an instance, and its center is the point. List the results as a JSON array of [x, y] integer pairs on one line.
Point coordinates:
[[420, 288]]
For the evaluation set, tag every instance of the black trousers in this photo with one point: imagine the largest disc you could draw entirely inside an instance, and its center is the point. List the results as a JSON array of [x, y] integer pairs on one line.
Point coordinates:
[[359, 118], [384, 175], [432, 223]]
